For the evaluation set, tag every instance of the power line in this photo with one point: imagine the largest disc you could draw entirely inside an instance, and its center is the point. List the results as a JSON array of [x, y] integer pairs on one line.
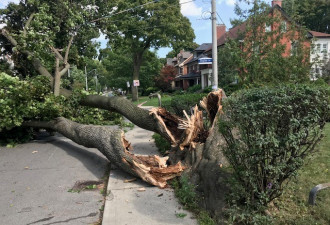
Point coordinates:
[[139, 6], [126, 10], [144, 28]]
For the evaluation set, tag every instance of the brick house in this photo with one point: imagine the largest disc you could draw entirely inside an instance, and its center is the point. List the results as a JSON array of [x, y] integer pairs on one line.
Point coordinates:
[[321, 41]]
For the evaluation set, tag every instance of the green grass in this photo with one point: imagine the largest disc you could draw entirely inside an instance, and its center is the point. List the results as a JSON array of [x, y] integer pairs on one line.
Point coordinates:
[[153, 101], [292, 207], [185, 193]]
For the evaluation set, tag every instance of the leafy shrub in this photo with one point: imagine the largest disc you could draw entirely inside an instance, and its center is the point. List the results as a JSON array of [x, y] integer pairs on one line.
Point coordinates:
[[269, 132], [150, 90], [31, 99], [184, 102], [194, 88], [162, 144], [207, 89]]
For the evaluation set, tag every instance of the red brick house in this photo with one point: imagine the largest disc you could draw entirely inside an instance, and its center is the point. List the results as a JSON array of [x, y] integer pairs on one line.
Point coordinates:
[[288, 39]]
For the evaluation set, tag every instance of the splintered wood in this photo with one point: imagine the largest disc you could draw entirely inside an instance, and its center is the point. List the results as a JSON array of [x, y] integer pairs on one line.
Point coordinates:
[[182, 133], [212, 104], [192, 127]]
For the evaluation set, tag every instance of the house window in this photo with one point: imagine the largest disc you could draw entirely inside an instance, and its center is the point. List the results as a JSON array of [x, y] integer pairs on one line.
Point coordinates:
[[268, 28], [294, 48], [255, 48], [325, 48], [181, 70], [317, 70], [318, 48], [283, 26]]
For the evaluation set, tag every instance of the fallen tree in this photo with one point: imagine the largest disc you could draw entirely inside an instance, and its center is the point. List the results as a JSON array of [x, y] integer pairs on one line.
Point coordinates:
[[195, 149], [264, 133]]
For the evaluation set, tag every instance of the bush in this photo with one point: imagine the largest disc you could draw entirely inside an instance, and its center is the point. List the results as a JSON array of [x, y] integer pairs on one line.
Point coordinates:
[[184, 102], [150, 90], [162, 144], [194, 88], [269, 132], [31, 99]]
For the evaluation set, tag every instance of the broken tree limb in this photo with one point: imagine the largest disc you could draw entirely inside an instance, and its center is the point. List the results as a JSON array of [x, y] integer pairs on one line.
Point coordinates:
[[136, 115], [113, 145]]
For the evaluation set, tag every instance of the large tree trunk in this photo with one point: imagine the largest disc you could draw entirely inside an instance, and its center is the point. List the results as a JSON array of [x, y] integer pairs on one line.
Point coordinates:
[[196, 150]]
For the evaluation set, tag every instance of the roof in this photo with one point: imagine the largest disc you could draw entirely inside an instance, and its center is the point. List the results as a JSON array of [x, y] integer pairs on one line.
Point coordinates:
[[235, 32], [188, 76], [203, 47], [184, 54], [319, 34], [186, 60]]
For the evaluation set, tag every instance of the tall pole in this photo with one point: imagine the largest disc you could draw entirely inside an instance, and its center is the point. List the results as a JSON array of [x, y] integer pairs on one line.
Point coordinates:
[[214, 47]]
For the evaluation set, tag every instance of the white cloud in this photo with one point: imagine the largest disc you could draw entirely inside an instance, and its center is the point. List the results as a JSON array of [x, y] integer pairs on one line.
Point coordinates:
[[228, 2], [190, 9], [4, 3]]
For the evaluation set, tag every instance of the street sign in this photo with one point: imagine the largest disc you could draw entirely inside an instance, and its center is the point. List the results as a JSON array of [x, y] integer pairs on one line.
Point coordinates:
[[205, 61], [136, 83]]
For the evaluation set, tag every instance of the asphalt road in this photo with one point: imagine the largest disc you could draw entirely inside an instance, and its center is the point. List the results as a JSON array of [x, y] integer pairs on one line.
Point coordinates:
[[35, 179]]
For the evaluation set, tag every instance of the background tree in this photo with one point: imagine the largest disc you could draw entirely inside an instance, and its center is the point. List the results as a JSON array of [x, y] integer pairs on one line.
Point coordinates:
[[315, 15], [166, 77], [50, 35], [148, 25], [119, 66]]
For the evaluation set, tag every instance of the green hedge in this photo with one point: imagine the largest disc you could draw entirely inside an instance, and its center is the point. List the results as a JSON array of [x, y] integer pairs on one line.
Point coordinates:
[[183, 102], [269, 132]]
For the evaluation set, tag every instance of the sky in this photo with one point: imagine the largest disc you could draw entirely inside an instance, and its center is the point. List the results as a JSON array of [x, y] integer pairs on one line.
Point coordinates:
[[197, 11]]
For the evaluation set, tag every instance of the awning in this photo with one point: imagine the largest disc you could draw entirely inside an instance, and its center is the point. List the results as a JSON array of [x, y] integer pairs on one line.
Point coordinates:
[[205, 61]]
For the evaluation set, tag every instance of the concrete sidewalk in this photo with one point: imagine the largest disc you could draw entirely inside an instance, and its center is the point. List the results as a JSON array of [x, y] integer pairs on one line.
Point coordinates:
[[35, 179], [130, 204]]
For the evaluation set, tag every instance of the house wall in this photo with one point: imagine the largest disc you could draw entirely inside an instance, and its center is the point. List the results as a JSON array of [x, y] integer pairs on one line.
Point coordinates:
[[319, 55]]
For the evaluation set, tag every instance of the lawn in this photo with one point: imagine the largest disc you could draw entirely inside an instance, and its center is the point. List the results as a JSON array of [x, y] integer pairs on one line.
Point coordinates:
[[292, 206], [153, 101]]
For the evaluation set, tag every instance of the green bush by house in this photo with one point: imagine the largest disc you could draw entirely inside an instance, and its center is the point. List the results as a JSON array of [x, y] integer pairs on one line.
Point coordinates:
[[269, 132]]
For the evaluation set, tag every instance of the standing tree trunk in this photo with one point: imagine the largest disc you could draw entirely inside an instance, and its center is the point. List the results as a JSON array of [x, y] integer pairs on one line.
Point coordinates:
[[57, 78], [137, 61]]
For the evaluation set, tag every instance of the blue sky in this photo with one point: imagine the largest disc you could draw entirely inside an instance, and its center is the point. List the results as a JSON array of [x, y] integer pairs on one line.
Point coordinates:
[[197, 11]]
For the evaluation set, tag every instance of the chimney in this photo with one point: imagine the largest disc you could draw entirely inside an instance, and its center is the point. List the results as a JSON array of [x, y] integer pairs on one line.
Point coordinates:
[[277, 2], [221, 30]]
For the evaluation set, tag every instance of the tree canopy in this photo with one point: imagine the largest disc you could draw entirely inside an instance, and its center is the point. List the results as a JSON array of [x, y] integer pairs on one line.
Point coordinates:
[[315, 15], [50, 35]]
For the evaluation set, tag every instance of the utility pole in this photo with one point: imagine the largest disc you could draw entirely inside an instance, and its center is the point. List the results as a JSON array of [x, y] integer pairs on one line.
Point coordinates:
[[214, 47]]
